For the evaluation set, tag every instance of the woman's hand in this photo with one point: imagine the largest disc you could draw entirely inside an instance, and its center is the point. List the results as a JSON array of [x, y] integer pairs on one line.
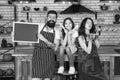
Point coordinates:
[[92, 36], [88, 38]]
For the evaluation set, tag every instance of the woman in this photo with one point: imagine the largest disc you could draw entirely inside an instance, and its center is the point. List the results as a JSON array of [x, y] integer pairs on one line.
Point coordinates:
[[68, 45], [89, 66]]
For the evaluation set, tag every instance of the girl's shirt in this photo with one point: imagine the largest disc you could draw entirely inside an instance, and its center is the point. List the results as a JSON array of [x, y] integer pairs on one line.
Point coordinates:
[[74, 35], [74, 32]]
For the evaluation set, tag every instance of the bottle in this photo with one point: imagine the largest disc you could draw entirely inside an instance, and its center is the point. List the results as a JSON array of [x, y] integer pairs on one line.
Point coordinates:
[[4, 43]]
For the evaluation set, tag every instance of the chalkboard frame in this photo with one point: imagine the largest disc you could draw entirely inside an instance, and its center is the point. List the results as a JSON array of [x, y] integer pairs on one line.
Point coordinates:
[[22, 32]]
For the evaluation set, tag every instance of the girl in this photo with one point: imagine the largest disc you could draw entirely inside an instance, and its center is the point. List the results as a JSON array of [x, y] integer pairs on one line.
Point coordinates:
[[67, 44], [89, 66]]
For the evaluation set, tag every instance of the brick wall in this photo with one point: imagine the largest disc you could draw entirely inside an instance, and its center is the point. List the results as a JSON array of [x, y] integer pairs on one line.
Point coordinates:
[[109, 34]]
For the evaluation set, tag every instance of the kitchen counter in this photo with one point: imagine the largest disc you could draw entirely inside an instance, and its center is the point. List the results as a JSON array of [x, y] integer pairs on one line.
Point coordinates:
[[106, 53], [106, 50], [23, 51]]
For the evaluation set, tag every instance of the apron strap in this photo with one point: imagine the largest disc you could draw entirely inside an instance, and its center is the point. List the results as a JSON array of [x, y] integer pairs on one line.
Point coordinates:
[[43, 28]]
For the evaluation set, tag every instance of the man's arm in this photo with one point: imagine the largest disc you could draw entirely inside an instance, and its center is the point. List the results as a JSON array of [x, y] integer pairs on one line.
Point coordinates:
[[41, 37]]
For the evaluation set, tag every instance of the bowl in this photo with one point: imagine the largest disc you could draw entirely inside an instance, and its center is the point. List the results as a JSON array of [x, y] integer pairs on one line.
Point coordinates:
[[26, 8], [1, 29], [36, 9], [1, 17], [104, 7], [8, 30], [7, 57], [9, 72]]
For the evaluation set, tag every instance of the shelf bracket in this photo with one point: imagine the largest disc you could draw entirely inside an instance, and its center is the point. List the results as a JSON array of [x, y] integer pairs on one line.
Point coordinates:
[[95, 15]]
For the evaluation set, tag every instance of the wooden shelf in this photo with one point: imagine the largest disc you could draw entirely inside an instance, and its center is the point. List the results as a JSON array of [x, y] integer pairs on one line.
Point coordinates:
[[8, 62], [107, 11], [111, 25], [5, 35], [7, 77], [36, 11], [6, 5], [6, 19], [33, 11]]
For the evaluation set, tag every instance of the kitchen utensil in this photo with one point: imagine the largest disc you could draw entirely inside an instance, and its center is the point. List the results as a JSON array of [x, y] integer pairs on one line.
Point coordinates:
[[117, 50], [1, 29], [2, 72], [1, 16], [7, 57], [26, 8], [9, 45], [4, 43], [117, 17], [45, 8], [9, 71], [119, 8], [104, 7], [36, 9], [8, 29]]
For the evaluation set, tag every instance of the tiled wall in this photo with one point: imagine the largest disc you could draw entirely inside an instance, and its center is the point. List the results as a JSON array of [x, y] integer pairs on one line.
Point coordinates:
[[109, 34]]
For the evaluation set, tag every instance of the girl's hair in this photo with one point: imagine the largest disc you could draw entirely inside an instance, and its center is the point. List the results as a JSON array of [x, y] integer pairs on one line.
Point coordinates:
[[81, 30], [73, 25]]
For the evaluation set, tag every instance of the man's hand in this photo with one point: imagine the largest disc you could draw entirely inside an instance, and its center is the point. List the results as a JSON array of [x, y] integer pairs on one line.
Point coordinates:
[[51, 45]]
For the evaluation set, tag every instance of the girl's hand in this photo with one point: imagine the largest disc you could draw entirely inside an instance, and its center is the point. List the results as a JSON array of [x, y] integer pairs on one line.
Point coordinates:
[[66, 31], [70, 32]]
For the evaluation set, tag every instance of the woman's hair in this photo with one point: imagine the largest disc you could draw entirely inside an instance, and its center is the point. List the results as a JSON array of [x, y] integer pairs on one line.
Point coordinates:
[[81, 30], [73, 25]]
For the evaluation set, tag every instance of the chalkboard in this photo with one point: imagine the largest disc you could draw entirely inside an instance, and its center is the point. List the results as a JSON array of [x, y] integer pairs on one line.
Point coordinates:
[[25, 32]]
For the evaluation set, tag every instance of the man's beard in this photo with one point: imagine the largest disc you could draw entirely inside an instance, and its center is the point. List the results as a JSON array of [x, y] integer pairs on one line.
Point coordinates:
[[51, 23]]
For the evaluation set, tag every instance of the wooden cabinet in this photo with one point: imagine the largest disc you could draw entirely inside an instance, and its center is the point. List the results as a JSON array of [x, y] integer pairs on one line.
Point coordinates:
[[7, 67], [23, 67], [23, 63]]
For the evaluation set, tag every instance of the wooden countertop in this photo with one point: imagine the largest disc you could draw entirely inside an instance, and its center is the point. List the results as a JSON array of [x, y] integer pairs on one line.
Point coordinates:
[[108, 51], [103, 51], [23, 51]]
